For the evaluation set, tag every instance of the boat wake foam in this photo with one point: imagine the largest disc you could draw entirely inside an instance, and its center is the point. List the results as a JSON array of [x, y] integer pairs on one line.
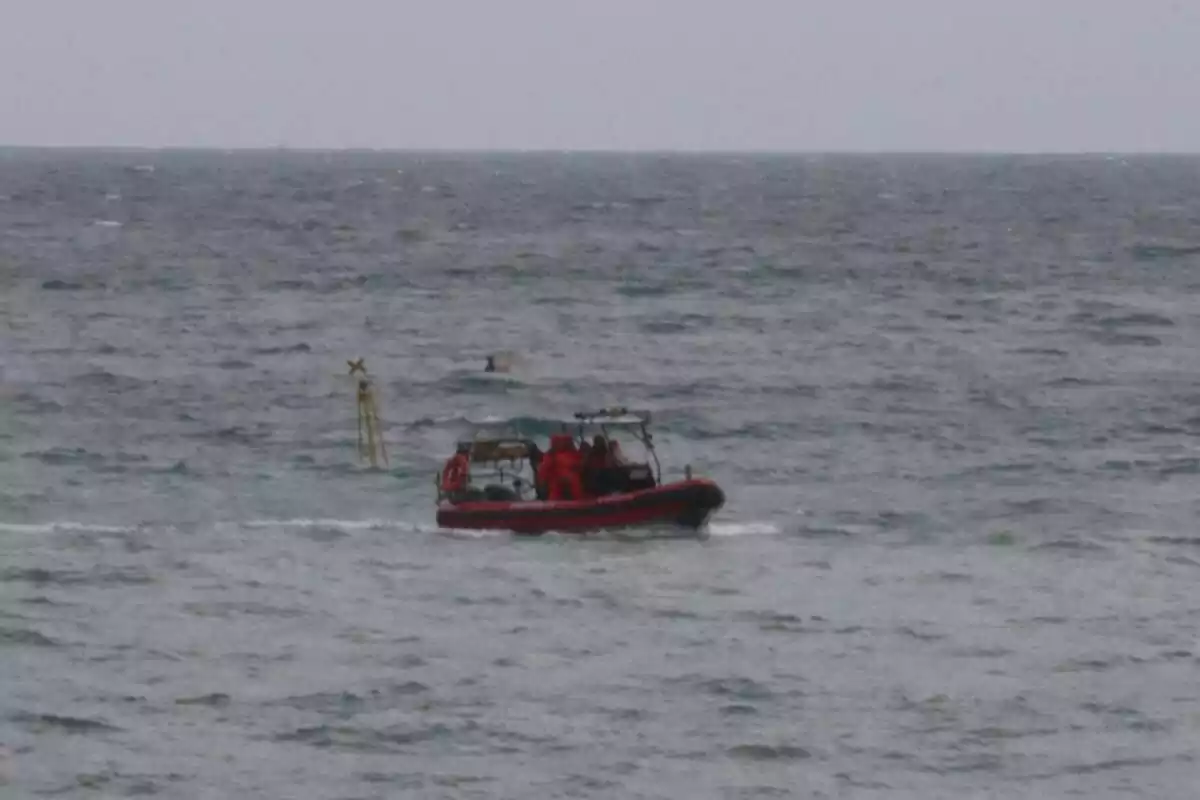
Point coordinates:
[[344, 525], [34, 529], [722, 529], [743, 529], [347, 525]]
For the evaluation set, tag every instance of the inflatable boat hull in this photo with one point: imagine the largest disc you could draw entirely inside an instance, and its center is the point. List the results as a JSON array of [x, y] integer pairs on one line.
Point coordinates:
[[687, 503]]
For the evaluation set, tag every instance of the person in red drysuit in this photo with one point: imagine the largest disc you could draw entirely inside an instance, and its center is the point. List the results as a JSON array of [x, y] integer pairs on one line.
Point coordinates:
[[560, 469], [457, 471], [570, 469]]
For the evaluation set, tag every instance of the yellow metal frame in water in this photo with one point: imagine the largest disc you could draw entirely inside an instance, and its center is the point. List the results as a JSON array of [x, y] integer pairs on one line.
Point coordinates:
[[370, 435]]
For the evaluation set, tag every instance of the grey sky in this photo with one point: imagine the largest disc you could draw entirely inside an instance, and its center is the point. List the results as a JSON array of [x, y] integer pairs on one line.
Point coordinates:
[[604, 74]]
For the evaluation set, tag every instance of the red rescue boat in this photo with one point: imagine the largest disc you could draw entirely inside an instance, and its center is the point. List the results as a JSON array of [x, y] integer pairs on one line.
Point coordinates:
[[502, 491]]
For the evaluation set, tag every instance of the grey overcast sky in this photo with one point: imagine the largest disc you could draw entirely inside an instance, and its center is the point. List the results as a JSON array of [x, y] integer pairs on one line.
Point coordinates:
[[1008, 75]]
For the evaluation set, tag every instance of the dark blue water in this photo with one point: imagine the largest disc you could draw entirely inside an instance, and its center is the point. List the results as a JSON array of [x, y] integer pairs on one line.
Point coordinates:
[[952, 402]]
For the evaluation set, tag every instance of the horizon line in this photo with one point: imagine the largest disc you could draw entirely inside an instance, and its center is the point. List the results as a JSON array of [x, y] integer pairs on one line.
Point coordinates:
[[536, 151]]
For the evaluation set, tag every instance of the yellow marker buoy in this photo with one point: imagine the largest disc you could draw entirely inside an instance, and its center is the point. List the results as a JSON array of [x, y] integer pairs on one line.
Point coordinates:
[[370, 436]]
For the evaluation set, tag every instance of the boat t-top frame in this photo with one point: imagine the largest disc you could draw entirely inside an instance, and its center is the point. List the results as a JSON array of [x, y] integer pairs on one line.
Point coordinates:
[[634, 421]]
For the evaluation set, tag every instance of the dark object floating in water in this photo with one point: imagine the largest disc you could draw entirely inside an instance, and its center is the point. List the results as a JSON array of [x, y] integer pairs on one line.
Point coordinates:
[[59, 285], [1150, 252], [499, 362]]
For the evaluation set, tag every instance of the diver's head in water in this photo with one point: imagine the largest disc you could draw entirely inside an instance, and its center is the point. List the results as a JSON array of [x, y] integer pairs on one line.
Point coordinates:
[[500, 361]]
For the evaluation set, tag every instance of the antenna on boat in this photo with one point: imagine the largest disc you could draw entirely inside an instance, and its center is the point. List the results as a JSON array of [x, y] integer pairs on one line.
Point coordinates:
[[370, 437]]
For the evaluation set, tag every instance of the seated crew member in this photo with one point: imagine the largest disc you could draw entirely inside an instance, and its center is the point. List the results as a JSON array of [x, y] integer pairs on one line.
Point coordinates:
[[615, 457], [535, 456], [457, 471], [597, 455], [598, 468]]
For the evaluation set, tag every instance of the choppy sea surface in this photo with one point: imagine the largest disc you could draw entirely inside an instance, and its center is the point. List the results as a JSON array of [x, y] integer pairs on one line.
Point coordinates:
[[954, 403]]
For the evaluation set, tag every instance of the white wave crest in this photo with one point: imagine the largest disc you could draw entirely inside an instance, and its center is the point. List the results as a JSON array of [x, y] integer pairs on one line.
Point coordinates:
[[336, 524], [34, 529], [743, 529]]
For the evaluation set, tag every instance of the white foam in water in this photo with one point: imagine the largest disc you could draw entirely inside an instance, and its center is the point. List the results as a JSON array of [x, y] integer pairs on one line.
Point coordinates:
[[54, 527], [742, 529], [714, 529], [337, 524], [370, 525], [472, 533]]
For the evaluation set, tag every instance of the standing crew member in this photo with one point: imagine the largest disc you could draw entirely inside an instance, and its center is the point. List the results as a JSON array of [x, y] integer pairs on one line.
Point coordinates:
[[457, 471], [560, 470]]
